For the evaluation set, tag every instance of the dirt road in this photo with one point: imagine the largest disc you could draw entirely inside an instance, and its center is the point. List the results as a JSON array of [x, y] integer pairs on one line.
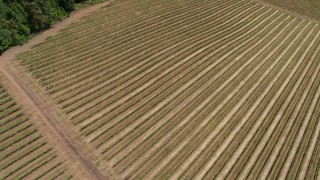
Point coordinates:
[[34, 100]]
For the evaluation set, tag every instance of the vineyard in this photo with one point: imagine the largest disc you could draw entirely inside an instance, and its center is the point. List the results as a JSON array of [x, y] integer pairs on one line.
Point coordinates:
[[24, 152], [188, 89], [308, 8]]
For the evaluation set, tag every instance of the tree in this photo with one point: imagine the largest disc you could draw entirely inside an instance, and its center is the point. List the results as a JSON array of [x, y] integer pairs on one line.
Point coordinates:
[[5, 39], [67, 5], [20, 18]]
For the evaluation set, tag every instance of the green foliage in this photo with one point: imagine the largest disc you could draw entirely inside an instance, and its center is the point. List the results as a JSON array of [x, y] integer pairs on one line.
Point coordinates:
[[21, 18], [5, 39], [68, 5]]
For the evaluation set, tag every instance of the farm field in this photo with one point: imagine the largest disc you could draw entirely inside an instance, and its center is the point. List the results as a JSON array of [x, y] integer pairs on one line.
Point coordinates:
[[308, 8], [24, 152], [187, 89]]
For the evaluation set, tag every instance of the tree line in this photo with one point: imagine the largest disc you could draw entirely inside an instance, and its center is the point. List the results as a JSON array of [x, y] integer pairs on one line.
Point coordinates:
[[19, 19]]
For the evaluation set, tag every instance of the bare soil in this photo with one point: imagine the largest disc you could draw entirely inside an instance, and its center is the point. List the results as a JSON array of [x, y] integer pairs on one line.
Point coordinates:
[[268, 4], [25, 96]]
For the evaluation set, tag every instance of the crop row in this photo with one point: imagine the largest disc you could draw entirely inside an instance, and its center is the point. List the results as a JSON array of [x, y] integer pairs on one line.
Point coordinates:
[[219, 89], [308, 8], [22, 146], [85, 31], [220, 106], [119, 50], [197, 43], [196, 72], [102, 37]]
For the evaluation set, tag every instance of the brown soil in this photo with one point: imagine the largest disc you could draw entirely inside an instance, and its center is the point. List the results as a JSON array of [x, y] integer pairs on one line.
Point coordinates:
[[25, 96], [268, 4]]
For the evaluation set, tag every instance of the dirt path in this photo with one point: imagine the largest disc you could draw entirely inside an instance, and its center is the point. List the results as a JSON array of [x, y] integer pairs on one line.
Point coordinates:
[[34, 100], [12, 52]]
